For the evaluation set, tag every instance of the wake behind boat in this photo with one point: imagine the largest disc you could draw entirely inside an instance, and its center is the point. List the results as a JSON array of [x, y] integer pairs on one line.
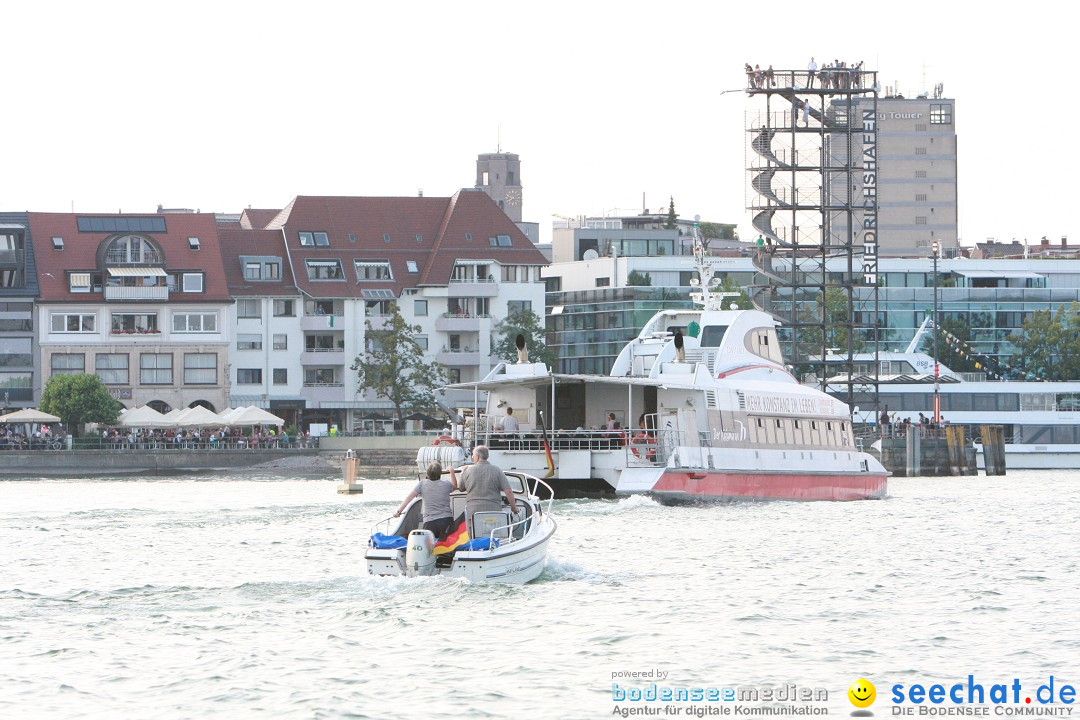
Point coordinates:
[[507, 547]]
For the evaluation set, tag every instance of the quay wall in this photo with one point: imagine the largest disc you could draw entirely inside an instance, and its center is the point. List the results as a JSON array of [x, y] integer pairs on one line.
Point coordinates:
[[87, 463]]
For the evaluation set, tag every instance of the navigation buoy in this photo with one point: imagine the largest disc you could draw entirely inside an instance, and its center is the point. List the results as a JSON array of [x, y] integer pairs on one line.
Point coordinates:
[[348, 472]]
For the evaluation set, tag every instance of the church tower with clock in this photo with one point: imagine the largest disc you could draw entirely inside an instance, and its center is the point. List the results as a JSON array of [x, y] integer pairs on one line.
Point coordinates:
[[499, 175]]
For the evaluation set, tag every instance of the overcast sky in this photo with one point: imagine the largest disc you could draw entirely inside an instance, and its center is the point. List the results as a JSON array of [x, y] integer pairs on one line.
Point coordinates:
[[220, 106]]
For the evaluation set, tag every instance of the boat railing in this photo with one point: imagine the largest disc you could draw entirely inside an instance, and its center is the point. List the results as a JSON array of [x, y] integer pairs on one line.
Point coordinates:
[[533, 440]]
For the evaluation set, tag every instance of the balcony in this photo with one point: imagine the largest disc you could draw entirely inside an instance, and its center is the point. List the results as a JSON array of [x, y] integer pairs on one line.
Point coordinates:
[[451, 322], [472, 288], [322, 356], [322, 322], [136, 333], [460, 357], [156, 292]]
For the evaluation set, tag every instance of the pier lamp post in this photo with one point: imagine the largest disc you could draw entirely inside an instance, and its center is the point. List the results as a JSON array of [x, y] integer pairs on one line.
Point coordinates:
[[937, 367]]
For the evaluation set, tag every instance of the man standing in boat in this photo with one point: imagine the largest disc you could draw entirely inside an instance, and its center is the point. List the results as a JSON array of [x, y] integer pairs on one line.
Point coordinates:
[[482, 483]]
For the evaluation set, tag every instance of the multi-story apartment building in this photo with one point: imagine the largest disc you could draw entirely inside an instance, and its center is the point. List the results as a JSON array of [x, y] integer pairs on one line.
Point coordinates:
[[140, 300], [454, 266], [19, 370]]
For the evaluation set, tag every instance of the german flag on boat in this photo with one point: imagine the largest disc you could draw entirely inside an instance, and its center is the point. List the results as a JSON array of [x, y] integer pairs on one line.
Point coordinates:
[[457, 537]]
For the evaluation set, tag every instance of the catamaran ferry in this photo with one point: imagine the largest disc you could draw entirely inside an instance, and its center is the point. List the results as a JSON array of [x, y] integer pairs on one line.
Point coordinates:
[[699, 405]]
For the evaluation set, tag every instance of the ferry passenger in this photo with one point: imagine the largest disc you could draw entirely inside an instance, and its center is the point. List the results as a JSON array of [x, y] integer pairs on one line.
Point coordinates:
[[436, 498], [509, 423], [482, 483], [612, 423]]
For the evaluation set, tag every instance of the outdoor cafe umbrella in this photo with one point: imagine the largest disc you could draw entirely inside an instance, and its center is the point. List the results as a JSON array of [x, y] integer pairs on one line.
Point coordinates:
[[197, 416], [29, 415], [144, 417], [252, 415]]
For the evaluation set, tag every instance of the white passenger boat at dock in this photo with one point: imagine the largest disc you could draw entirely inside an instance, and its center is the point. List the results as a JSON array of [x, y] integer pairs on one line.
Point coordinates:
[[709, 408], [509, 548]]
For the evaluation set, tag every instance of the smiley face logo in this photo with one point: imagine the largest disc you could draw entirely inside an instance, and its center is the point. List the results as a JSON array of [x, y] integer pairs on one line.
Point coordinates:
[[862, 693]]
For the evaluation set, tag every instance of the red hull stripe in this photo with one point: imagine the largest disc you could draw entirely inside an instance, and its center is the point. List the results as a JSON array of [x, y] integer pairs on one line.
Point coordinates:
[[857, 486], [736, 371]]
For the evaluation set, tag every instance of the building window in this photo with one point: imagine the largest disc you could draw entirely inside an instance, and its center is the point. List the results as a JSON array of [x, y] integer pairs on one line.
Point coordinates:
[[500, 241], [314, 239], [248, 308], [920, 219], [193, 282], [940, 114], [324, 270], [58, 243], [386, 238], [284, 308], [193, 243], [134, 323], [352, 237], [454, 374], [155, 368], [921, 128], [468, 237], [516, 306], [68, 363], [510, 273], [249, 376], [194, 322], [603, 282], [200, 369], [419, 308], [132, 250], [412, 267], [419, 238], [919, 197], [253, 271], [79, 282], [920, 173], [920, 151], [320, 377], [281, 341], [281, 376], [369, 270], [249, 342], [112, 368], [422, 341], [122, 224]]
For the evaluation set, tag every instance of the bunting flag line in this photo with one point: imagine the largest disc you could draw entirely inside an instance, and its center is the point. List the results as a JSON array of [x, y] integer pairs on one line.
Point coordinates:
[[970, 353]]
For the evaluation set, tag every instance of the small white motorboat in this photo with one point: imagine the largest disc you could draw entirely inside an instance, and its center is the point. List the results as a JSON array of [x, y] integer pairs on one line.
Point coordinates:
[[508, 547]]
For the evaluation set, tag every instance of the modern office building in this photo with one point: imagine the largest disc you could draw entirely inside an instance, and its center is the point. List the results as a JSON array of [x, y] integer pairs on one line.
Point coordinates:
[[917, 178]]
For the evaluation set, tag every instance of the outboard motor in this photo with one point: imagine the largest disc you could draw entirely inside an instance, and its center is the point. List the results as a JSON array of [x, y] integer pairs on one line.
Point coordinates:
[[418, 553]]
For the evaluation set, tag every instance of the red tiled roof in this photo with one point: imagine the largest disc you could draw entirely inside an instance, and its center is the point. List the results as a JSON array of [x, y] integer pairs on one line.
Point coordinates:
[[81, 250], [441, 223], [252, 219], [237, 242]]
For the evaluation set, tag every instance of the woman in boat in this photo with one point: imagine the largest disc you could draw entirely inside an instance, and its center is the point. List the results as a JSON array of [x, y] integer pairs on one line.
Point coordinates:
[[436, 497]]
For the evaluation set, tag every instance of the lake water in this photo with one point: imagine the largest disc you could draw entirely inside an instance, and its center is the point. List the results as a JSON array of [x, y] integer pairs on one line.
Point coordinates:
[[247, 596]]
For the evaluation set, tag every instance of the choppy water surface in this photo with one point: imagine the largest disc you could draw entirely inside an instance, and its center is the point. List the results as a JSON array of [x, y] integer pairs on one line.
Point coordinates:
[[247, 596]]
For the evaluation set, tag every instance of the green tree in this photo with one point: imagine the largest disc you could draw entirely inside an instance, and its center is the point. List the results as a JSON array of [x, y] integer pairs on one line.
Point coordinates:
[[523, 322], [1048, 344], [394, 367], [638, 279], [79, 399], [671, 216], [728, 285], [718, 231], [949, 355]]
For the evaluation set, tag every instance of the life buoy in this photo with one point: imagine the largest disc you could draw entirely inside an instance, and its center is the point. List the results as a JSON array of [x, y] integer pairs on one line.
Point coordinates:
[[445, 439], [643, 439]]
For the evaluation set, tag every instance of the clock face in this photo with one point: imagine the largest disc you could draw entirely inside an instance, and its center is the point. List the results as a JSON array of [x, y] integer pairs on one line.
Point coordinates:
[[513, 197]]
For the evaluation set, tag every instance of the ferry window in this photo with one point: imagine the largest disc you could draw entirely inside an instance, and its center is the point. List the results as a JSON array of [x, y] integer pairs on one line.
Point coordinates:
[[813, 426], [779, 423], [798, 424], [760, 422], [1008, 402], [712, 335], [984, 402], [829, 425]]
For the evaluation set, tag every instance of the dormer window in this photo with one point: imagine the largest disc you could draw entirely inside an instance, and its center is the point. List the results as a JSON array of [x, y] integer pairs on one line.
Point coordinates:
[[58, 243], [324, 270], [500, 241], [373, 270], [193, 243], [132, 250]]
